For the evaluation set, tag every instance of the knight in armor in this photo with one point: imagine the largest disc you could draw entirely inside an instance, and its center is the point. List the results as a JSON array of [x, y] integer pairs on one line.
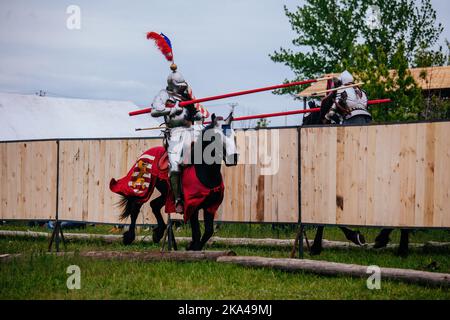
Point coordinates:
[[350, 104], [179, 122], [315, 118]]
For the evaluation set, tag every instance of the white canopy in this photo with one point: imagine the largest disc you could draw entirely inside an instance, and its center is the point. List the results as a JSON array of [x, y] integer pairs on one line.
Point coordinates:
[[28, 117]]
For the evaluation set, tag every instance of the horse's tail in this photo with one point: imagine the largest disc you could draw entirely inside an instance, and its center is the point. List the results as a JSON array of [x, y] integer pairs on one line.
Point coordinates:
[[128, 205]]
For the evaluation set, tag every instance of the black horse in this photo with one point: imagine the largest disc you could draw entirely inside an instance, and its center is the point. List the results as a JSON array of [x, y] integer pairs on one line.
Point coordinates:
[[381, 241], [207, 173]]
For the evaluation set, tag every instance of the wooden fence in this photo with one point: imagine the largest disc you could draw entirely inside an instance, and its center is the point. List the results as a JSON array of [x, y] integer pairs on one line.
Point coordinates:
[[383, 175], [377, 175], [28, 180]]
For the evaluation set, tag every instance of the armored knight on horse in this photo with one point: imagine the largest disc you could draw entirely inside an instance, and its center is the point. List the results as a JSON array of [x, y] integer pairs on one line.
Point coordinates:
[[199, 185], [180, 132]]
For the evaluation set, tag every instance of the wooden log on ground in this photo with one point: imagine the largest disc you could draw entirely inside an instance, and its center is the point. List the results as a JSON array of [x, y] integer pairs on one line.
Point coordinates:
[[8, 256], [157, 255], [181, 256], [281, 243], [342, 269]]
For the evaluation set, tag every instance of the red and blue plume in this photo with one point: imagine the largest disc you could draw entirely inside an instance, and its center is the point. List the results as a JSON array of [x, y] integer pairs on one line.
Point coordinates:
[[167, 40], [163, 44]]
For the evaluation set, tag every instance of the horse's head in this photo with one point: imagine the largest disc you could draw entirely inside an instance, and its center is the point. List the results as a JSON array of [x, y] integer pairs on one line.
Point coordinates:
[[219, 142]]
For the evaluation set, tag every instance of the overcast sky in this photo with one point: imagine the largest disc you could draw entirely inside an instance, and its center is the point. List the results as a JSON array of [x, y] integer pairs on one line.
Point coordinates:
[[219, 46]]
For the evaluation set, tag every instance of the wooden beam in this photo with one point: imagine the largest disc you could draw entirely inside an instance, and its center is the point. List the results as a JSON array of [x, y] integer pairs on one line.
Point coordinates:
[[340, 269], [265, 242], [138, 255], [157, 255]]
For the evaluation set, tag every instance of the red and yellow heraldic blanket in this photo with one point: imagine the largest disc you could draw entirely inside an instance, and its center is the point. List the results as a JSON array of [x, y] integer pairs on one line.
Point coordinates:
[[141, 179], [153, 165]]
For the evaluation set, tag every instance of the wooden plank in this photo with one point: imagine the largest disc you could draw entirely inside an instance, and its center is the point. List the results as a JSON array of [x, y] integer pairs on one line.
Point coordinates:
[[307, 195], [77, 181], [41, 183], [240, 191], [287, 178], [31, 181], [320, 171], [420, 174], [382, 171], [350, 187], [441, 186], [110, 156], [268, 194], [408, 143], [71, 189], [429, 175], [255, 171], [85, 179], [330, 192], [52, 178], [64, 180], [20, 180], [25, 193], [293, 160], [371, 175], [393, 195], [94, 172], [340, 170], [362, 174]]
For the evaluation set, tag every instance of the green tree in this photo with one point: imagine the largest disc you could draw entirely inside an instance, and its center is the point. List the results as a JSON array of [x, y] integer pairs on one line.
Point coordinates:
[[434, 106], [383, 82], [329, 32]]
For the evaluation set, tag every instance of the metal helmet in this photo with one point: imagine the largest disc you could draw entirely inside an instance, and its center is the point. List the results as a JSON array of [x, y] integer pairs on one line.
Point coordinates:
[[175, 81]]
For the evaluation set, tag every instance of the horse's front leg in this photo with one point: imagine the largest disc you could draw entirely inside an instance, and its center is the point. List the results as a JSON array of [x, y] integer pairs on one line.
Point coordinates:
[[382, 238], [404, 243], [316, 248], [196, 233], [157, 204], [208, 218], [130, 235]]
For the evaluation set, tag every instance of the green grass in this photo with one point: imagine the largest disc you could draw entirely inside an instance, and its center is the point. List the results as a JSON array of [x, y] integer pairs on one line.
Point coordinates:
[[44, 277], [39, 276]]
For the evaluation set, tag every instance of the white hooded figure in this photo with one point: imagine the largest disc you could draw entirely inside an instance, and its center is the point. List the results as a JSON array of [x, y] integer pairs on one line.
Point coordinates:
[[350, 103], [346, 78]]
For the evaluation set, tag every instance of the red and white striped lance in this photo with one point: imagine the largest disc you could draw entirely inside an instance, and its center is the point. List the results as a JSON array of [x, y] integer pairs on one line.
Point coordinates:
[[278, 114], [234, 94], [287, 113]]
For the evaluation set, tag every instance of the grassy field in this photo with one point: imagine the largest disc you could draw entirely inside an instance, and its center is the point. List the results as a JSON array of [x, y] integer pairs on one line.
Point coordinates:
[[39, 276]]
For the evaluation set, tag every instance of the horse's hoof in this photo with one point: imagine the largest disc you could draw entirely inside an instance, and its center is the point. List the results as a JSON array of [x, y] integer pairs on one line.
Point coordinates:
[[157, 234], [194, 246], [128, 238], [357, 238], [381, 242], [315, 250]]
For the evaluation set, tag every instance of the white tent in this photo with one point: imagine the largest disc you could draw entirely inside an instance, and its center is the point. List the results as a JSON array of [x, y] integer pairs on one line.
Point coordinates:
[[28, 117]]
